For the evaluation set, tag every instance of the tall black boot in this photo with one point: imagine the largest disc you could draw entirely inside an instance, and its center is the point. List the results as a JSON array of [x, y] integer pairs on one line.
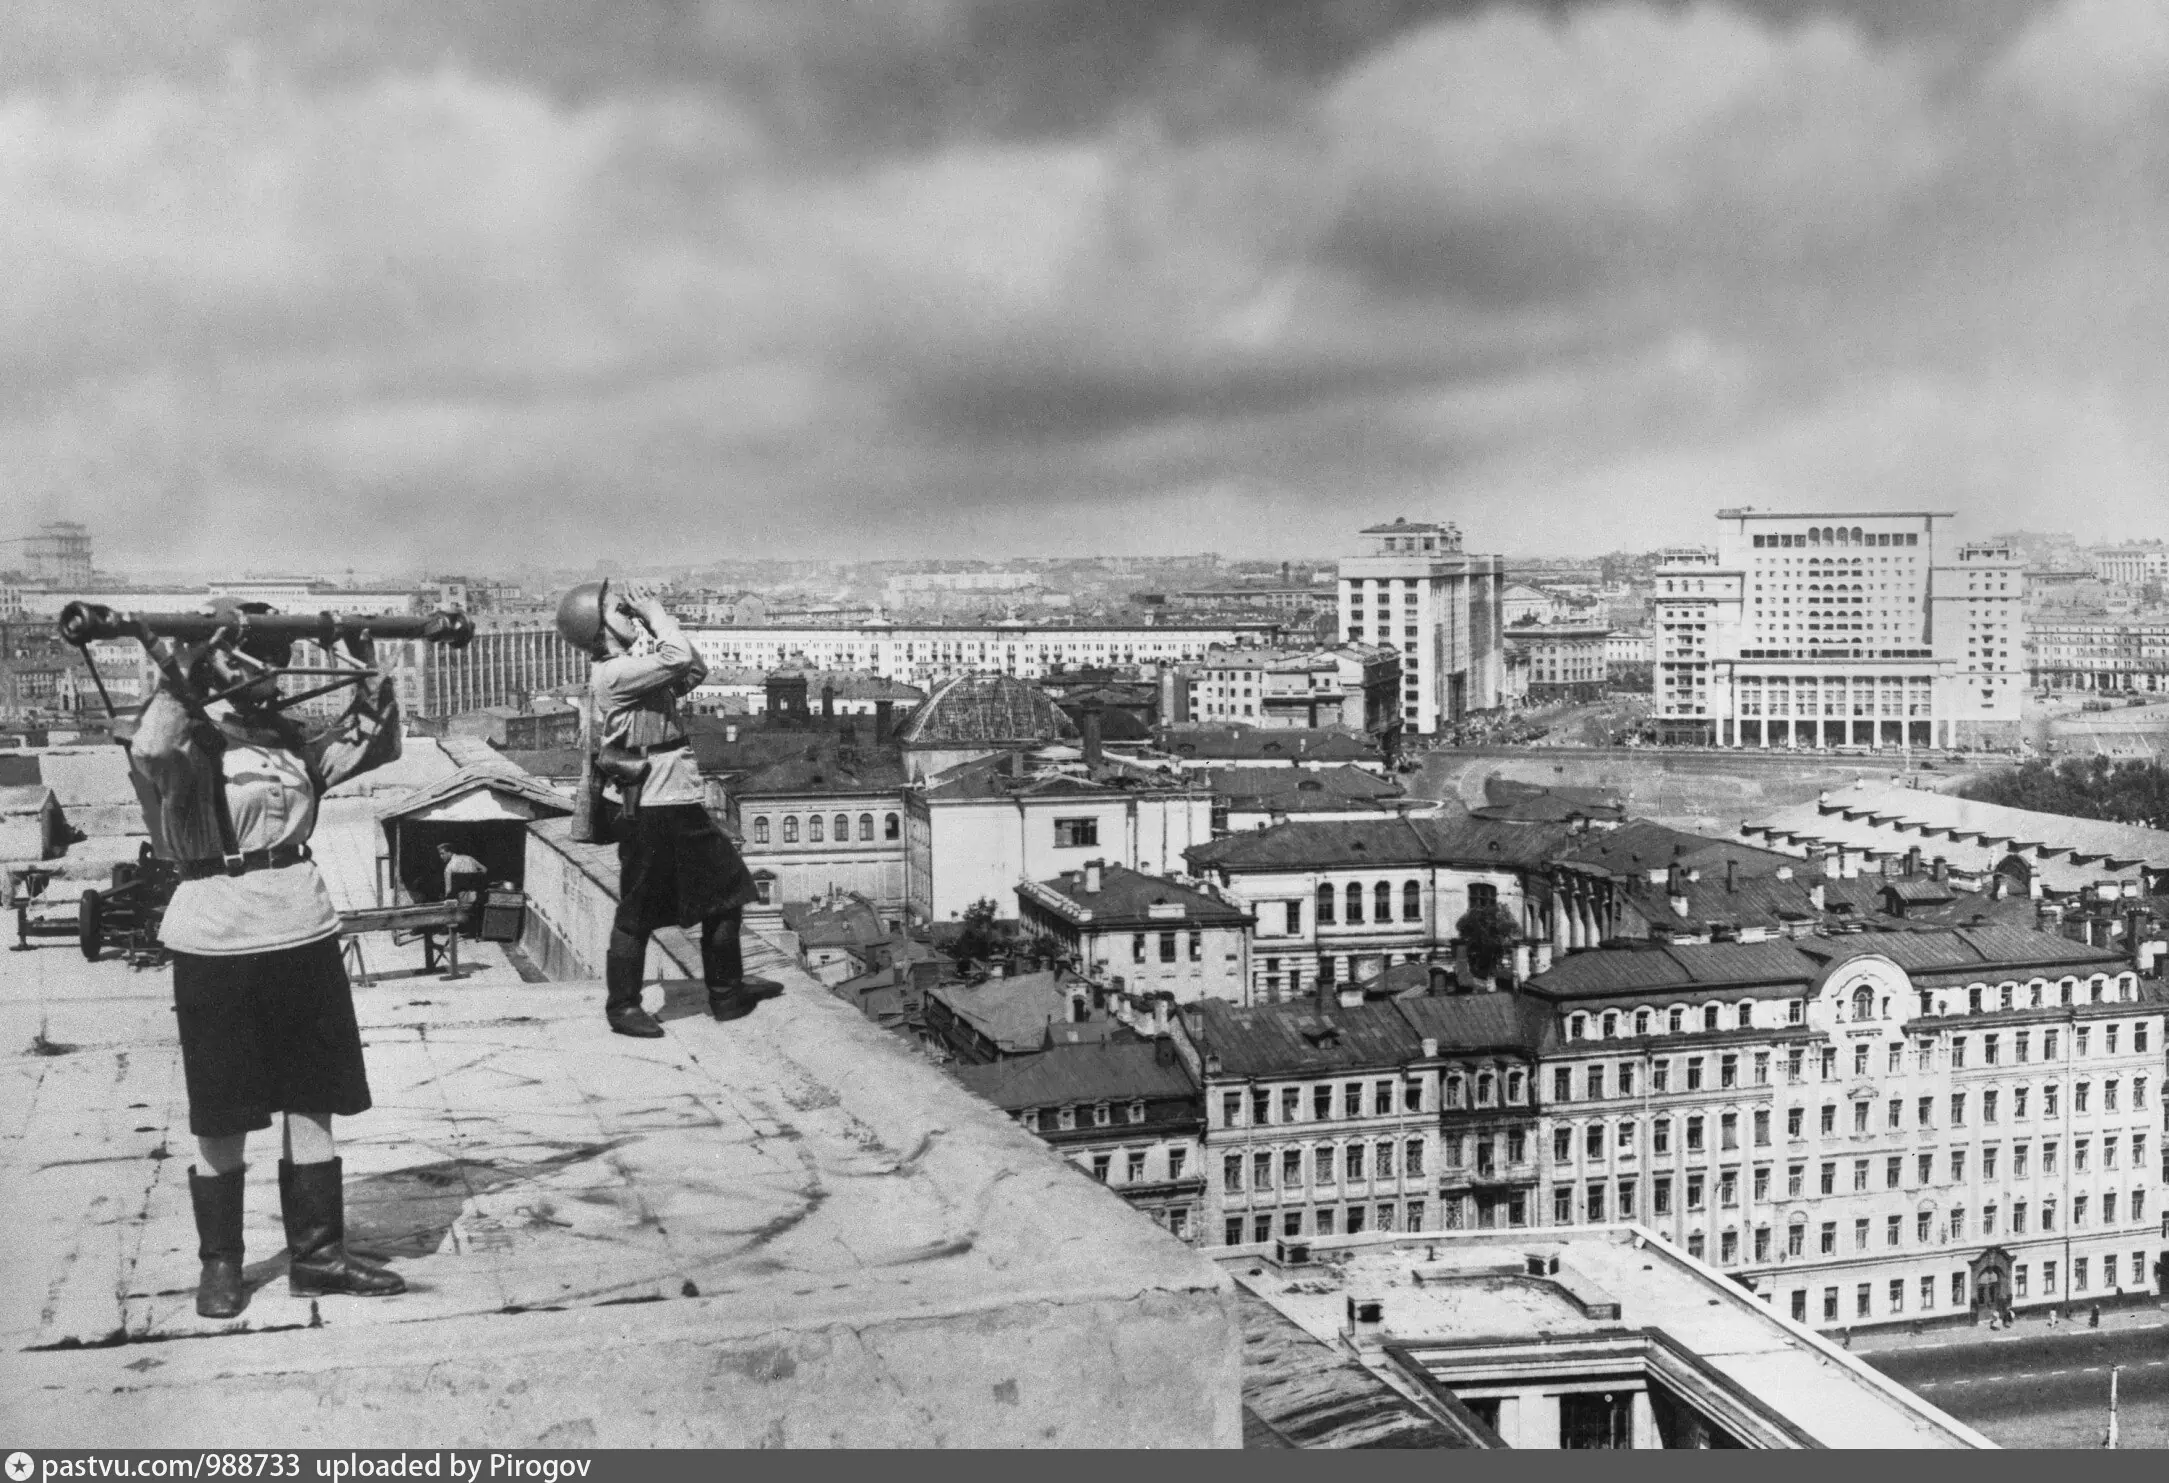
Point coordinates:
[[621, 978], [220, 1292], [731, 995], [312, 1198]]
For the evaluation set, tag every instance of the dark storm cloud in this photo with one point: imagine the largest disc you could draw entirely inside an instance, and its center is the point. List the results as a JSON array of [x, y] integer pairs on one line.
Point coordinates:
[[939, 274]]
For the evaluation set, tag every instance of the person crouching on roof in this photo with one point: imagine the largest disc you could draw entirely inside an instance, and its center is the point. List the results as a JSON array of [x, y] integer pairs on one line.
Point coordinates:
[[675, 867], [265, 1013]]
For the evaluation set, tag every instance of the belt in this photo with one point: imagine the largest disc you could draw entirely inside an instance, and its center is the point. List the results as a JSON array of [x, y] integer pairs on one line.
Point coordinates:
[[658, 748], [275, 858]]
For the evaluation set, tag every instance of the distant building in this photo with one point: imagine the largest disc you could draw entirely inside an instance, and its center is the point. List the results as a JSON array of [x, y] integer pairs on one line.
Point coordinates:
[[2128, 656], [926, 654], [59, 554], [1352, 685], [1151, 933], [826, 819], [1567, 662], [979, 831], [1520, 603], [1627, 646], [1877, 631], [1413, 587], [1200, 748], [2133, 565]]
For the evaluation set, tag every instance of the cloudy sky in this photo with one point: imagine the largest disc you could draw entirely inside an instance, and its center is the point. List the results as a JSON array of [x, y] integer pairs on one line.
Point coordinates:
[[364, 284]]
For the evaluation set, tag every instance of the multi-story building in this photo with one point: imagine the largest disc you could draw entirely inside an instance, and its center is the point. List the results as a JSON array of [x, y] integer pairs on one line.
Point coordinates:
[[978, 831], [510, 660], [1874, 632], [1520, 603], [1865, 1128], [2097, 652], [2134, 565], [821, 823], [1150, 932], [925, 654], [1489, 1152], [1354, 685], [1413, 587], [1320, 1120], [1567, 661], [1126, 1113], [58, 554]]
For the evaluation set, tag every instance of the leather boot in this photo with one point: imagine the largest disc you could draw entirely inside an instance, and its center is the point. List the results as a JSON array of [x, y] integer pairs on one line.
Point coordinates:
[[731, 995], [220, 1292], [621, 980], [312, 1197]]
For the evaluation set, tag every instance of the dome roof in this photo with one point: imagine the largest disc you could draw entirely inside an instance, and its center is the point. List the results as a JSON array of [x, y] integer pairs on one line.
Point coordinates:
[[986, 708]]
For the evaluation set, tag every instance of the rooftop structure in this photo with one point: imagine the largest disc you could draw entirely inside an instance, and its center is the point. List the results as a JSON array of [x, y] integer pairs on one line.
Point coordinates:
[[1600, 1337]]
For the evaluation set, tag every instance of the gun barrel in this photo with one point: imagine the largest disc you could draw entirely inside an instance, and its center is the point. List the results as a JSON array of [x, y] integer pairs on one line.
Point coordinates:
[[81, 622]]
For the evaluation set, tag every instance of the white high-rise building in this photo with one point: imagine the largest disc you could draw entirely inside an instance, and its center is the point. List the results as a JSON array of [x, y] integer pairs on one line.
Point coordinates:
[[1823, 630], [1415, 589]]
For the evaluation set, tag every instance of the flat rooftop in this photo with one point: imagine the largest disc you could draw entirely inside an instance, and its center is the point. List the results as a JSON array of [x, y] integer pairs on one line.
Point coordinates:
[[785, 1230], [1471, 1290]]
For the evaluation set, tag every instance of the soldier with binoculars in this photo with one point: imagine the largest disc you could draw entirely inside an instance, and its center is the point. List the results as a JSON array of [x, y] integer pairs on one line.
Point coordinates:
[[229, 786], [675, 867]]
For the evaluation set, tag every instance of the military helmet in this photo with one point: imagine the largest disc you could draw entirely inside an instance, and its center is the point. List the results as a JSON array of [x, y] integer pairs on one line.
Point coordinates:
[[580, 615]]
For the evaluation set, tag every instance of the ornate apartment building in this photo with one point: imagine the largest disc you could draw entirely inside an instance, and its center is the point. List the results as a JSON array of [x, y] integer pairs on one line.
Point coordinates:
[[2098, 652], [1866, 1128], [1874, 631]]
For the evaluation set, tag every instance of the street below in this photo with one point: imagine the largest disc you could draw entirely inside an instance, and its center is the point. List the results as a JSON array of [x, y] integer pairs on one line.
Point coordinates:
[[2044, 1389]]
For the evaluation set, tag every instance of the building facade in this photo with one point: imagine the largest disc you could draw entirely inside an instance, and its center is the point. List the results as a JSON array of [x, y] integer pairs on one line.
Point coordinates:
[[1876, 631], [1353, 685], [2134, 565], [926, 654], [1148, 933], [2097, 652], [1567, 661], [1865, 1129], [1414, 588]]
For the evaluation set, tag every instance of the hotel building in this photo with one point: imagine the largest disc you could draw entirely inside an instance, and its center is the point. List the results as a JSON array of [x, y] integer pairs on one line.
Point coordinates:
[[1414, 588]]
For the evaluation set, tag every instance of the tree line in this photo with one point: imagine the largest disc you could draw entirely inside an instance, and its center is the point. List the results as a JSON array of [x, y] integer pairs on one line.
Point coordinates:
[[2132, 792]]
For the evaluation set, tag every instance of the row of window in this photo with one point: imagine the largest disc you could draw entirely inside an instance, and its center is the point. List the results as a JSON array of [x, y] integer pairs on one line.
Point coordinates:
[[2112, 1278], [1597, 1137], [1327, 1163], [1080, 1115], [1618, 1201], [1863, 1004], [1326, 1220], [1624, 1075], [1167, 946], [818, 830], [1387, 1095]]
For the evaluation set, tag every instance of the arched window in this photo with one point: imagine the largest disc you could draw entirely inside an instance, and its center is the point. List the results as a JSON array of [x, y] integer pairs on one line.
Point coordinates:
[[1709, 1016], [1676, 1021], [1641, 1022], [790, 829], [1355, 903], [813, 829], [1382, 902], [891, 827], [760, 829], [1325, 906], [1744, 1016], [1864, 1003], [843, 828], [1411, 901], [1973, 999], [1577, 1027], [1486, 1089], [866, 826], [764, 887], [1611, 1024]]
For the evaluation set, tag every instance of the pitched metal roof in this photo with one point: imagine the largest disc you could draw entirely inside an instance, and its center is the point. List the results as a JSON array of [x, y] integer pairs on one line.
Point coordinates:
[[497, 774], [980, 708], [1479, 1022], [1300, 1037], [1100, 1071], [1127, 895]]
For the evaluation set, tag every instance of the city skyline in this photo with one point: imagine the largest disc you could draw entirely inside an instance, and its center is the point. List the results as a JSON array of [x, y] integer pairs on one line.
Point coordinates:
[[430, 287]]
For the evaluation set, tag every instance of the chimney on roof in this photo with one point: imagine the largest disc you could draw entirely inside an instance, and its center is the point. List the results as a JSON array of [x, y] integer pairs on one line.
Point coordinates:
[[828, 700], [1088, 722], [1912, 860], [1732, 876], [1093, 876], [883, 710], [1941, 871], [1817, 897], [1442, 979]]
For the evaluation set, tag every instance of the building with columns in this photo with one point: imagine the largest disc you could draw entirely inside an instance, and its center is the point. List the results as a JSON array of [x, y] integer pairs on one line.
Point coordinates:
[[1413, 587], [1877, 631]]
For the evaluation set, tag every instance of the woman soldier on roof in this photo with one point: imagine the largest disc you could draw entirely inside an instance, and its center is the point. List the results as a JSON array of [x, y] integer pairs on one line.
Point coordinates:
[[266, 1017]]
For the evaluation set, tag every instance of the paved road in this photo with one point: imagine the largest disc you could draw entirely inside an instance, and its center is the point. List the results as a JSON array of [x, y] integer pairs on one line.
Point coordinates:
[[2045, 1390]]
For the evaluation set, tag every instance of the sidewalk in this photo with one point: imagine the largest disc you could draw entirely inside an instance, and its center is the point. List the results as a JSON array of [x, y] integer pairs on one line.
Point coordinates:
[[2031, 1325]]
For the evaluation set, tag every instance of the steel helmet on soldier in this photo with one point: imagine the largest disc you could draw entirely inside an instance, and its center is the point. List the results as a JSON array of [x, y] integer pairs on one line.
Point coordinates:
[[580, 615]]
